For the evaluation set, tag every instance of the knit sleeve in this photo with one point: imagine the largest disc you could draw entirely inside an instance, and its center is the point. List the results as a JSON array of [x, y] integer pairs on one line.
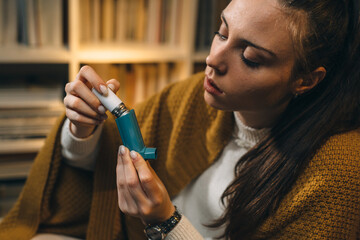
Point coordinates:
[[78, 152], [184, 230], [325, 201]]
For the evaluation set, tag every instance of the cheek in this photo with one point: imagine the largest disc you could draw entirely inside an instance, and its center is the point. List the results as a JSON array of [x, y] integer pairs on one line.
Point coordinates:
[[261, 92]]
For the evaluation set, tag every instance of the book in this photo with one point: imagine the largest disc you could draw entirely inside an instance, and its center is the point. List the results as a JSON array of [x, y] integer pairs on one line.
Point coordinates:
[[85, 20], [130, 82], [95, 23], [140, 84], [154, 18], [121, 77], [121, 20], [51, 22], [174, 24], [31, 23], [22, 27], [141, 15], [131, 20], [2, 18], [108, 20], [163, 76], [30, 97], [152, 75], [10, 22]]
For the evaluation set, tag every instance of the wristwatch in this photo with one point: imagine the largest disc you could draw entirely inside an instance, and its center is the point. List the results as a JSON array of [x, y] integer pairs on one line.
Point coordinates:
[[160, 230]]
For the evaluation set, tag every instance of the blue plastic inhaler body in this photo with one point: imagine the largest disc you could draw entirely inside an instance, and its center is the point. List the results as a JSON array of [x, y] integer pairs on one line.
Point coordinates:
[[131, 136], [127, 124]]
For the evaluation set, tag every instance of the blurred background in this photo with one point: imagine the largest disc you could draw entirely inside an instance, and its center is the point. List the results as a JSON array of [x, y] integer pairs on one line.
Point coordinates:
[[144, 44]]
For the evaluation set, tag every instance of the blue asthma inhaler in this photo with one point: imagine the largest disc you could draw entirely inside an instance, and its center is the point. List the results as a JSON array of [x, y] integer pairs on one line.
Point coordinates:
[[127, 124]]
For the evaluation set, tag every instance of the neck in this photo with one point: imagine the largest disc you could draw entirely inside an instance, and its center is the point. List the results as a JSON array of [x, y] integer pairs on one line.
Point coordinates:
[[260, 119]]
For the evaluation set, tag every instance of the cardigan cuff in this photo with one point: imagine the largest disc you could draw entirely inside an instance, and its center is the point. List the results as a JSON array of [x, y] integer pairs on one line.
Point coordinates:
[[80, 152], [184, 230]]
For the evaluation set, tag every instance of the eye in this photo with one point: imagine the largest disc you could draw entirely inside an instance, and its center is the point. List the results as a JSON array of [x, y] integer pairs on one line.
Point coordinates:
[[249, 63], [222, 37]]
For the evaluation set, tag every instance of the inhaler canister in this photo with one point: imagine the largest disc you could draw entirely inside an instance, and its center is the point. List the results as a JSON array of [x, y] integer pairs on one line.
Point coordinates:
[[127, 124]]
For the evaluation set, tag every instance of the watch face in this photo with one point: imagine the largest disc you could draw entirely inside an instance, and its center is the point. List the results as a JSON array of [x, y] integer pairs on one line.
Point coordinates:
[[154, 233]]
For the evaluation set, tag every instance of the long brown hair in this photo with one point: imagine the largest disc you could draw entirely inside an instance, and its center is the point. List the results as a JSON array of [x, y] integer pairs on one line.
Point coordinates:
[[266, 173]]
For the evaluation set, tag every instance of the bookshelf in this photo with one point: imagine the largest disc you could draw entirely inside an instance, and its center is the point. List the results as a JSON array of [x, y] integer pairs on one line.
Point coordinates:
[[145, 44]]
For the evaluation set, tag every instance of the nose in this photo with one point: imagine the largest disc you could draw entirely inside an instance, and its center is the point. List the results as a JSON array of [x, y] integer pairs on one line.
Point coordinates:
[[217, 59]]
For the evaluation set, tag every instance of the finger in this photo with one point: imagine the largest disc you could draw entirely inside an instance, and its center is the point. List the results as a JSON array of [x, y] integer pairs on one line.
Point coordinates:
[[132, 180], [79, 119], [148, 178], [124, 198], [113, 84], [79, 89], [78, 105], [88, 75]]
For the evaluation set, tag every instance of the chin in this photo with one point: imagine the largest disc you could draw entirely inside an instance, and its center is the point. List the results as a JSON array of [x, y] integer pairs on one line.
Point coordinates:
[[213, 102]]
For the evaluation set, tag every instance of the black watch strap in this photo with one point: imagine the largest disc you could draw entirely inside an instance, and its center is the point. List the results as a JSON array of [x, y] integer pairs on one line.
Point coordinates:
[[160, 230]]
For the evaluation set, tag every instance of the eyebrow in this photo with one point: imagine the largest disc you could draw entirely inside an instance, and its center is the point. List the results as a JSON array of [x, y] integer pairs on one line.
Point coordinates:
[[246, 41]]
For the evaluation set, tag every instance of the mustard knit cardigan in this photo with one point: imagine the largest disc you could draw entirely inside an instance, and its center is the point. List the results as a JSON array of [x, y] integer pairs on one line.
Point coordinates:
[[324, 203]]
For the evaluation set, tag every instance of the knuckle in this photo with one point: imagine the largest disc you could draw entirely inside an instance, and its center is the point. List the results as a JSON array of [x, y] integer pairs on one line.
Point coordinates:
[[67, 87], [94, 102], [133, 212], [65, 100], [68, 113], [75, 86], [132, 183], [76, 103], [120, 184], [76, 117], [157, 201], [146, 178], [145, 210]]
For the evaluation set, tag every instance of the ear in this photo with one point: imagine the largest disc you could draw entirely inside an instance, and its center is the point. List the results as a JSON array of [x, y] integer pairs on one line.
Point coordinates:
[[309, 81]]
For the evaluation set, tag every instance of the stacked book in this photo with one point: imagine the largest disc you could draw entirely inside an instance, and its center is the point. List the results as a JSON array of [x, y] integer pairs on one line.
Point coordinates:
[[32, 23], [27, 114], [144, 21]]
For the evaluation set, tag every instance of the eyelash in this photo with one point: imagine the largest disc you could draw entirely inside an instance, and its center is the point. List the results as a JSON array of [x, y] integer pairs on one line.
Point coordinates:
[[222, 37], [249, 63]]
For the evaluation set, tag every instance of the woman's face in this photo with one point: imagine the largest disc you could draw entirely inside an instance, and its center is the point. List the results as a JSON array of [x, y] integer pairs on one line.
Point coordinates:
[[251, 58]]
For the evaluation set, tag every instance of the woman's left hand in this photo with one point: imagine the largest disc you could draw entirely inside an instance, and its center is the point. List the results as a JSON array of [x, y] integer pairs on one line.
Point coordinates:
[[140, 191]]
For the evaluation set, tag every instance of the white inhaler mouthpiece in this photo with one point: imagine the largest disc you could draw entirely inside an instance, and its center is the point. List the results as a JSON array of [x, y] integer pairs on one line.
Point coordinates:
[[110, 101]]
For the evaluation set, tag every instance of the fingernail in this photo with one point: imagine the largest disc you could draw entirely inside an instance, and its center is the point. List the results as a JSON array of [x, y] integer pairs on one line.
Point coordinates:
[[133, 154], [122, 149], [104, 89], [101, 109], [111, 86]]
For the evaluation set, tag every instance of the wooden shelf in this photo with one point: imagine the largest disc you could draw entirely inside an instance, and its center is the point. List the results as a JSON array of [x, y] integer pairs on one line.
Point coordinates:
[[129, 54], [24, 54]]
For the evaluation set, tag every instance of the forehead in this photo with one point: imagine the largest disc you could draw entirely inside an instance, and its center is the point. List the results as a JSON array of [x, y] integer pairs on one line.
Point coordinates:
[[261, 22]]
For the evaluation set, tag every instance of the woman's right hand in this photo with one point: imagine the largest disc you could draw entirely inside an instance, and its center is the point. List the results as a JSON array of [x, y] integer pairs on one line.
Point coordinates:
[[83, 108]]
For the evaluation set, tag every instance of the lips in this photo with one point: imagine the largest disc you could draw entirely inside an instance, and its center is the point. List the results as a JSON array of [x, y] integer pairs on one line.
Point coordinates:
[[211, 87]]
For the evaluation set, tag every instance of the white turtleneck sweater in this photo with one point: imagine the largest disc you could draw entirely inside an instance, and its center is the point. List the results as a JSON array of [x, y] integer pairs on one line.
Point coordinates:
[[200, 201]]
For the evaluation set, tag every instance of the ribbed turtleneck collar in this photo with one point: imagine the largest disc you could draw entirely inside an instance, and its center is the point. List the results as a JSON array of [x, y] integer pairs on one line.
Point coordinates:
[[245, 136]]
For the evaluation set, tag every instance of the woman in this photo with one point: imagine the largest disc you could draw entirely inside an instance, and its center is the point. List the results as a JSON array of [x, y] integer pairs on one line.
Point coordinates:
[[274, 146]]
